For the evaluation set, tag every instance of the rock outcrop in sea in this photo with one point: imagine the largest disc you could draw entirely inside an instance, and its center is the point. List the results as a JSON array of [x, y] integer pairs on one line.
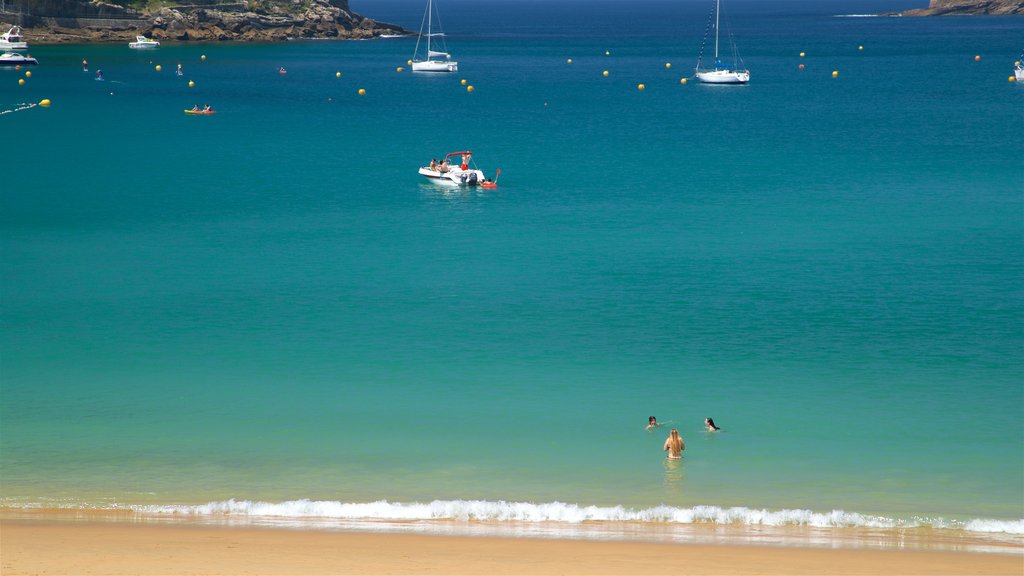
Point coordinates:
[[969, 8], [86, 21]]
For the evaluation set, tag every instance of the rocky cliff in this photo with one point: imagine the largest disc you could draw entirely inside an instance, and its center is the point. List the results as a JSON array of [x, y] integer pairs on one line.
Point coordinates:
[[78, 21], [969, 7]]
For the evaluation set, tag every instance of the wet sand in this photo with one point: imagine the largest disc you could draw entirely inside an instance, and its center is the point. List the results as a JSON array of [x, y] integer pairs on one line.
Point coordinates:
[[51, 545]]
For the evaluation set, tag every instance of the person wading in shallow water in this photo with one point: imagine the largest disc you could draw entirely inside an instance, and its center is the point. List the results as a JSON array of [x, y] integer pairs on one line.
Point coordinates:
[[674, 445]]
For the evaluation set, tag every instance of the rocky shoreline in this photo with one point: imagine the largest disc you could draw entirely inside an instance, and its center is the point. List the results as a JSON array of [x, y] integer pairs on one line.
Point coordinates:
[[320, 19], [968, 8]]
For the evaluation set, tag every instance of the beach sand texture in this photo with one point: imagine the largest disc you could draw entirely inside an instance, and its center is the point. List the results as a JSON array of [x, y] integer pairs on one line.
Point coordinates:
[[55, 547]]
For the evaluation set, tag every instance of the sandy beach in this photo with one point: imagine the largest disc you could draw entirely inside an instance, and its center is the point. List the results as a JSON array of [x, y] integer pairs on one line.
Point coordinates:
[[54, 546]]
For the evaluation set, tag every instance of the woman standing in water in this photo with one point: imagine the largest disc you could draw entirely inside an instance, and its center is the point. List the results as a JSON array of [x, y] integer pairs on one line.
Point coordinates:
[[674, 445]]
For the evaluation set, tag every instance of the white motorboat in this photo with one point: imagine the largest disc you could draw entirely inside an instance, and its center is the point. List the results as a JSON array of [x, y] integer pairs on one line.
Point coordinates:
[[143, 42], [455, 175], [721, 73], [13, 40], [13, 59], [433, 60]]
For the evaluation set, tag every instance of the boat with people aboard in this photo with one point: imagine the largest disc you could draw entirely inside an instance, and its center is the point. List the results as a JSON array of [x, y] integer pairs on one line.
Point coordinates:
[[13, 40], [433, 60], [721, 73], [196, 110], [143, 42], [461, 174], [14, 59]]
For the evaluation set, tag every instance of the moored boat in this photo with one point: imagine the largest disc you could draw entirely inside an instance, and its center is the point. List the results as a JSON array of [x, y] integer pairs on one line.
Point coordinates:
[[721, 73], [455, 175], [143, 42], [434, 60], [13, 59], [13, 40]]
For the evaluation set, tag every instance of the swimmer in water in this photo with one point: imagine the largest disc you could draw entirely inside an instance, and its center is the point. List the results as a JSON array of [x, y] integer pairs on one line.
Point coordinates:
[[652, 422], [709, 423], [674, 445]]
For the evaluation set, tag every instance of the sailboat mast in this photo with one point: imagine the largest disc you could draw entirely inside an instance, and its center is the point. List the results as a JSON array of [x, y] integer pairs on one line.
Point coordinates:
[[430, 15], [718, 4]]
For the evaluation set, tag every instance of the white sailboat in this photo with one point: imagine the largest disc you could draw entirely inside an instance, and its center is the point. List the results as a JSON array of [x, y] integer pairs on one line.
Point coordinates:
[[721, 74], [435, 61]]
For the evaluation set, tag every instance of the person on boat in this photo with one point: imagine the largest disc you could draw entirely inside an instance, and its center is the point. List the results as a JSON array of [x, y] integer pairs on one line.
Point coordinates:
[[674, 445], [709, 423], [652, 422], [206, 108], [195, 108], [465, 162], [433, 164], [443, 167], [281, 70]]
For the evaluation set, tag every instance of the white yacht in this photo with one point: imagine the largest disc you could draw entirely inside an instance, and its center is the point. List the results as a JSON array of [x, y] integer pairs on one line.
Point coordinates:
[[15, 59], [433, 60], [721, 73], [143, 42], [456, 175], [13, 40]]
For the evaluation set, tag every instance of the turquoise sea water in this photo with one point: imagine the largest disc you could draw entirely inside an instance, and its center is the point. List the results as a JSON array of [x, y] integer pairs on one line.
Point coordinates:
[[270, 305]]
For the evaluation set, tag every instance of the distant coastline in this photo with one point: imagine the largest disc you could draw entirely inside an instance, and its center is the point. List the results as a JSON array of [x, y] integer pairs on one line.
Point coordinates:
[[967, 8], [86, 22]]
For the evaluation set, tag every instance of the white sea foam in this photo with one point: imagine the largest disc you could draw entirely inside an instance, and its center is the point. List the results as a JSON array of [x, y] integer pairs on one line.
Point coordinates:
[[501, 511]]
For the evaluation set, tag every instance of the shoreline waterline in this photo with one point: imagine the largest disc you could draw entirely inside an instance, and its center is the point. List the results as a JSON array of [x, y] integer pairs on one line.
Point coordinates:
[[704, 525]]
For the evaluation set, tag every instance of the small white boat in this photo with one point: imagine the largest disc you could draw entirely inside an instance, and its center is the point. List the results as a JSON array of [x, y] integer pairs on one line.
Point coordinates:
[[13, 40], [13, 59], [434, 60], [454, 175], [143, 42], [721, 74], [1018, 70]]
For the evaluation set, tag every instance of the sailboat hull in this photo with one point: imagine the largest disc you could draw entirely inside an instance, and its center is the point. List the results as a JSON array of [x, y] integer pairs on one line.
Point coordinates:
[[435, 66], [724, 77]]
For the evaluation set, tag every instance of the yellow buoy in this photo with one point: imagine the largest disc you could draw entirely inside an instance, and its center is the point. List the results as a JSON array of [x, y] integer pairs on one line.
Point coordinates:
[[191, 84], [362, 91], [682, 80], [337, 74], [640, 86], [835, 73], [399, 69], [802, 54], [158, 68], [45, 103], [28, 73], [668, 64], [469, 88], [203, 57], [1012, 79], [569, 61], [976, 58], [605, 73], [409, 62], [21, 81], [463, 81]]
